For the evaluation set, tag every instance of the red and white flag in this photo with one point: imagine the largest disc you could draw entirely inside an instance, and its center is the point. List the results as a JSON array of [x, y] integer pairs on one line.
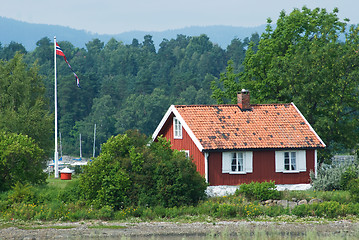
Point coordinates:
[[61, 53]]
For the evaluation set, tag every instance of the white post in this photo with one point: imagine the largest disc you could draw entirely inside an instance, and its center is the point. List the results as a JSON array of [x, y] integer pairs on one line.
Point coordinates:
[[56, 155], [94, 141]]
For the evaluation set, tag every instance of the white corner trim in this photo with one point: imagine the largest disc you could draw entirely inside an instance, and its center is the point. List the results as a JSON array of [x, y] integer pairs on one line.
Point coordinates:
[[172, 109], [315, 163], [310, 127], [206, 166]]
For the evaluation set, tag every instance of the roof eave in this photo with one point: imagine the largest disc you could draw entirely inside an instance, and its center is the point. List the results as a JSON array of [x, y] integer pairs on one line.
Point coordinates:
[[259, 149], [172, 109], [310, 127]]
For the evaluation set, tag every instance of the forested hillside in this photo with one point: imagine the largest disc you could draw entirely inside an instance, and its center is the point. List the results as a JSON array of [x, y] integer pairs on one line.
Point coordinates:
[[127, 86]]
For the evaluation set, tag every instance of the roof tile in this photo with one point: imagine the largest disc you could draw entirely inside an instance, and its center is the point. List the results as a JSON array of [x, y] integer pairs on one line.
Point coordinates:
[[263, 126]]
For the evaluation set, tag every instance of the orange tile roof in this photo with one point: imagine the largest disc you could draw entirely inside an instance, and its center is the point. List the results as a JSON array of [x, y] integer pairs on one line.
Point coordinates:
[[263, 126]]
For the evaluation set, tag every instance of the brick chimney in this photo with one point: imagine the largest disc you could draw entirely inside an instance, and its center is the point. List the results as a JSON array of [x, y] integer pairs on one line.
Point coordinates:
[[243, 99]]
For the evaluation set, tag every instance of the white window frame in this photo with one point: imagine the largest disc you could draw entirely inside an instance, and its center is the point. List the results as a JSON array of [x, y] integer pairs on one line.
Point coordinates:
[[290, 161], [186, 152], [295, 158], [237, 162], [177, 128], [247, 162]]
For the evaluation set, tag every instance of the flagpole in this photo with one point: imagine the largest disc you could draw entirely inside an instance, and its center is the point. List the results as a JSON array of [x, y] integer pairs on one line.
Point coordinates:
[[56, 157]]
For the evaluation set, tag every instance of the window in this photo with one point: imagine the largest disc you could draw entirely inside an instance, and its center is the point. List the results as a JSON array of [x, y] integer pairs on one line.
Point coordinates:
[[177, 128], [290, 161], [186, 152], [237, 162]]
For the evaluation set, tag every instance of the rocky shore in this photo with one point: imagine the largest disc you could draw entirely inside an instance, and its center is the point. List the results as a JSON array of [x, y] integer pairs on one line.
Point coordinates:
[[166, 230]]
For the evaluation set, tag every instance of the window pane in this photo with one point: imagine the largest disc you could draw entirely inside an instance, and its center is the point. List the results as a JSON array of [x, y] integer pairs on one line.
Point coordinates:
[[234, 162], [240, 161], [293, 160], [177, 128], [286, 161]]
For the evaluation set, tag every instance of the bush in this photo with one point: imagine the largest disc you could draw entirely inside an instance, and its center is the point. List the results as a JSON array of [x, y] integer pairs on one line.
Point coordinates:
[[301, 210], [354, 189], [21, 160], [259, 191], [22, 193], [350, 173], [332, 177], [129, 172]]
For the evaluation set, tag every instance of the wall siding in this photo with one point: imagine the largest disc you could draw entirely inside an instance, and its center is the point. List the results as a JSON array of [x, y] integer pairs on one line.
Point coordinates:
[[185, 143], [263, 170], [263, 163]]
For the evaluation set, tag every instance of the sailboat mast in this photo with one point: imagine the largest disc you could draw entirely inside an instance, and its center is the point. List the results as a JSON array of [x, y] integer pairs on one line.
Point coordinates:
[[94, 141], [80, 148]]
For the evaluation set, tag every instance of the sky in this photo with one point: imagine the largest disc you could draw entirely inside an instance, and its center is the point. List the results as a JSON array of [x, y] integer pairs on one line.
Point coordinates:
[[117, 16]]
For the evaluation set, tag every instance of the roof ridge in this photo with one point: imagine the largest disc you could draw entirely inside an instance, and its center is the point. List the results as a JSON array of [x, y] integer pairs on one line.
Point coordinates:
[[230, 105]]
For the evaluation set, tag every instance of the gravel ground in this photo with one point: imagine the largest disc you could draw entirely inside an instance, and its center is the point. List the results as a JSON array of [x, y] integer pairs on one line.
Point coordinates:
[[168, 230]]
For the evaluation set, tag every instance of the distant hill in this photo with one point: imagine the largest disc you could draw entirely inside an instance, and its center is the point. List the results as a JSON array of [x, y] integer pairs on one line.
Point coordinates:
[[28, 34]]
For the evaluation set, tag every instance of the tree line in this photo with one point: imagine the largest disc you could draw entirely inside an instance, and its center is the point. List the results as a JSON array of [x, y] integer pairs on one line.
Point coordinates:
[[130, 86], [126, 86]]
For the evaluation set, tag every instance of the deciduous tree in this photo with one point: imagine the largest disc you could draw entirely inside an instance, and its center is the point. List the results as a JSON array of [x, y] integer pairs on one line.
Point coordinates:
[[303, 61]]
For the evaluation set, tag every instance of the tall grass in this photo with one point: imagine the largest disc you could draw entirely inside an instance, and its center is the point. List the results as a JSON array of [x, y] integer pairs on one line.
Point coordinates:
[[58, 200]]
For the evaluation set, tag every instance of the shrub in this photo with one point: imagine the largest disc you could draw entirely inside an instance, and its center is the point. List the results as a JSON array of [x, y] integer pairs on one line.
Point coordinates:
[[354, 189], [329, 209], [228, 210], [21, 193], [105, 213], [332, 177], [21, 160], [129, 172], [259, 191], [274, 211], [252, 210], [350, 173]]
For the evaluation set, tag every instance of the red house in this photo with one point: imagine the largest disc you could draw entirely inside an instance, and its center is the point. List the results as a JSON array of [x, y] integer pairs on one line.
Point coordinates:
[[235, 144]]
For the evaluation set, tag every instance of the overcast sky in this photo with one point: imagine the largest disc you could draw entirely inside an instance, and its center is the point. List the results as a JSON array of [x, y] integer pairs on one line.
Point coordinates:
[[117, 16]]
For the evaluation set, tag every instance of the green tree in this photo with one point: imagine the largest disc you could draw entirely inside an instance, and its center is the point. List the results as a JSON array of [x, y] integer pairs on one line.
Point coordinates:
[[142, 112], [23, 107], [303, 61], [21, 161], [103, 115], [130, 172], [9, 51]]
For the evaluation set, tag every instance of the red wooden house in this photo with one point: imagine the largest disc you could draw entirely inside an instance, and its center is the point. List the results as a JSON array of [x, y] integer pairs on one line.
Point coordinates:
[[234, 144]]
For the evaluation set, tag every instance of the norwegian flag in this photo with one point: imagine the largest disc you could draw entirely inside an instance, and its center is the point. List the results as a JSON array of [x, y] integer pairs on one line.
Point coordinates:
[[61, 53]]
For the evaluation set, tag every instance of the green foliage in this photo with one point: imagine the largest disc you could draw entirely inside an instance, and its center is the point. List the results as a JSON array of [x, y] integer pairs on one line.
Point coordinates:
[[259, 191], [303, 61], [134, 95], [21, 161], [333, 177], [23, 107], [329, 209], [352, 172], [21, 193], [354, 189], [129, 173]]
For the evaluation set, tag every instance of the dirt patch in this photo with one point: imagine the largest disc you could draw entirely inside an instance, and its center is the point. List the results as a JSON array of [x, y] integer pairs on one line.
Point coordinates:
[[163, 230]]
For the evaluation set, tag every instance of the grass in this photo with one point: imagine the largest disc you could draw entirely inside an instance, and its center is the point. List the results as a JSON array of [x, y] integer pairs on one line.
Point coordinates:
[[46, 227], [107, 227], [57, 182]]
